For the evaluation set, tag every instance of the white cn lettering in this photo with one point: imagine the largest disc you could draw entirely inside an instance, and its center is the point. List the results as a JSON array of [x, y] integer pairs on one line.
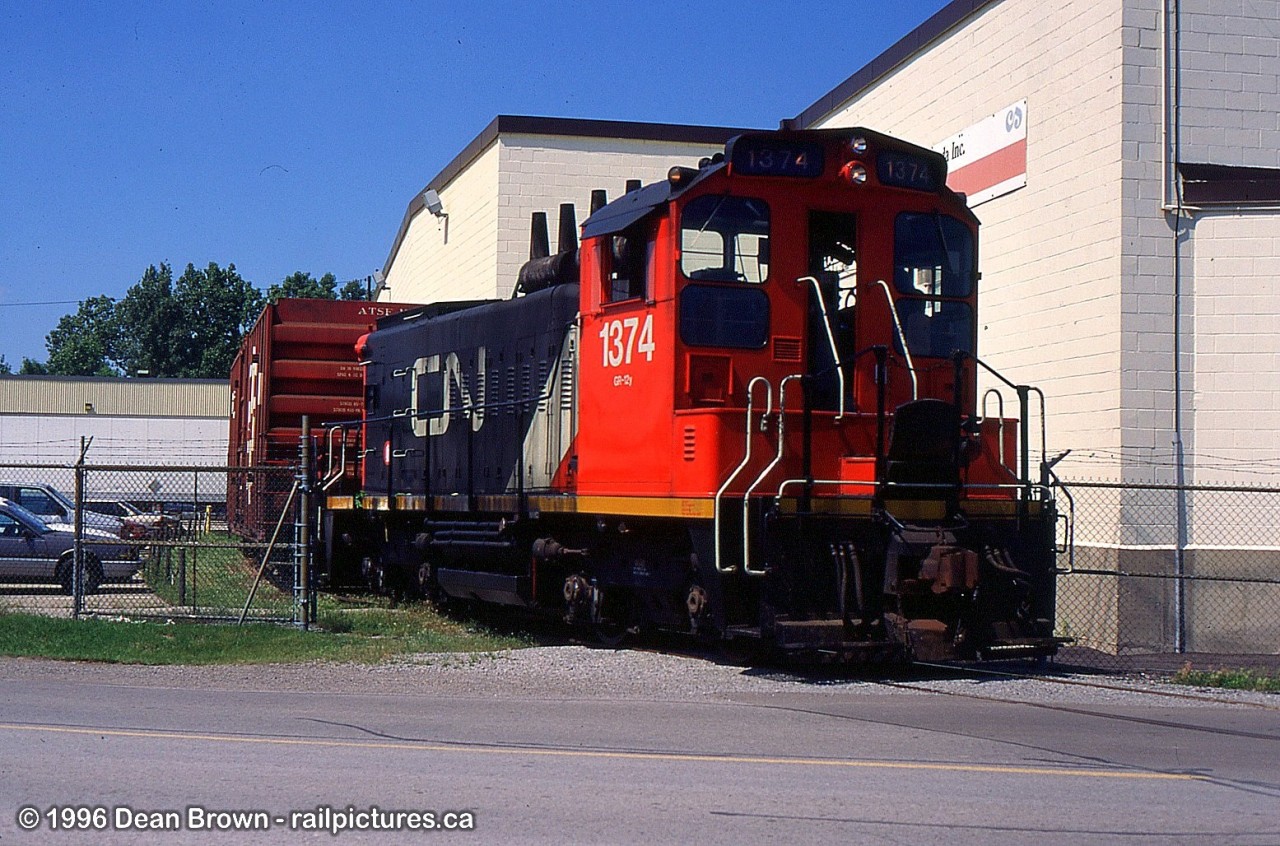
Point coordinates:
[[438, 423]]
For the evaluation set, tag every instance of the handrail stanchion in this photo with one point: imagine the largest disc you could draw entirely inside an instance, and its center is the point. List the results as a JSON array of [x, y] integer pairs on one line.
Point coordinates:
[[746, 459], [777, 459]]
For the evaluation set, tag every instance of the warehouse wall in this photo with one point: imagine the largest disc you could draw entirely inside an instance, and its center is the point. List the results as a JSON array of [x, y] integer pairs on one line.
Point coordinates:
[[517, 166], [131, 421], [1230, 55], [1051, 253], [452, 258], [539, 172], [1235, 407]]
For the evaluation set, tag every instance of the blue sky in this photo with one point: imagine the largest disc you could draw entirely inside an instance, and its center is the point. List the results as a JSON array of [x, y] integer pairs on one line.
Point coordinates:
[[290, 136]]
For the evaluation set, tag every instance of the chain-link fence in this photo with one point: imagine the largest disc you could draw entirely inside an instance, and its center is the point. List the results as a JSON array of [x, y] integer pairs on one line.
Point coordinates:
[[1163, 570], [151, 541]]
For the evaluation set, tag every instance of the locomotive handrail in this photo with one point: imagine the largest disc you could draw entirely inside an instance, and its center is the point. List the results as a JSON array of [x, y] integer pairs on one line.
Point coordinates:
[[745, 460], [877, 350], [435, 412], [777, 459], [461, 410], [1000, 421], [329, 476], [1024, 408], [902, 338], [831, 338]]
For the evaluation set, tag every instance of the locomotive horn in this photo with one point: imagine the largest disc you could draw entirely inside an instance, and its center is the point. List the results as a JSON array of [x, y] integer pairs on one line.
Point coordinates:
[[599, 199], [539, 245], [568, 228]]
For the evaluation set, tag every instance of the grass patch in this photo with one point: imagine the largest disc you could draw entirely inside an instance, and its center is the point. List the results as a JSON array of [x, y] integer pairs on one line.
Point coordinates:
[[212, 575], [367, 634], [1228, 679]]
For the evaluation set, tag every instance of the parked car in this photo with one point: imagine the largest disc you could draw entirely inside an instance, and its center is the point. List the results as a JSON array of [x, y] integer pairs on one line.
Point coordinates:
[[32, 550], [152, 524], [53, 506]]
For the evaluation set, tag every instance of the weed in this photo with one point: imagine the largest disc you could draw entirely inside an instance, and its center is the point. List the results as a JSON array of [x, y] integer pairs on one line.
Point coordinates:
[[1229, 679]]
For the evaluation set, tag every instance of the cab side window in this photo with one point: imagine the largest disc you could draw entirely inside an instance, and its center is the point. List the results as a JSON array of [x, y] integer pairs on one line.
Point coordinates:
[[628, 263]]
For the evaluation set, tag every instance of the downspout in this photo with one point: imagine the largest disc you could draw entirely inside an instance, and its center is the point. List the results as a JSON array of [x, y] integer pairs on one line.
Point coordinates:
[[1171, 155]]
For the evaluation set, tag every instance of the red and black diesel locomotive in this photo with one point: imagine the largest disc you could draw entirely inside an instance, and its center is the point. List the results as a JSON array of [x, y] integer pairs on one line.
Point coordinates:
[[746, 405]]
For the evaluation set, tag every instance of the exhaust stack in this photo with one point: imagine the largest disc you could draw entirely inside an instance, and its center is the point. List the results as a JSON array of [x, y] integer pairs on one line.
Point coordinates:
[[539, 244], [568, 228]]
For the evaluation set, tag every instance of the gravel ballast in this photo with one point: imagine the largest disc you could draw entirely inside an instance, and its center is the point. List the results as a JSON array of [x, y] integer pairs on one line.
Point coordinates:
[[580, 672]]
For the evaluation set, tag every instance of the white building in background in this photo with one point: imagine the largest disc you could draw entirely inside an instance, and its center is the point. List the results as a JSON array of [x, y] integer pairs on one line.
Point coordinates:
[[471, 239], [43, 420]]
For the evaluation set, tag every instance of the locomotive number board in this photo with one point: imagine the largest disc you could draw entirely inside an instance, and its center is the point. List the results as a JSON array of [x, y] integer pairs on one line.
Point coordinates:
[[775, 157], [904, 170]]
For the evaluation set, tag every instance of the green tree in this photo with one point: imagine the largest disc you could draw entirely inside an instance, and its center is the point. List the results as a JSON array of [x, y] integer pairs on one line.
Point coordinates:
[[303, 285], [81, 343], [353, 291], [5, 369], [190, 328], [217, 307], [149, 318], [31, 367]]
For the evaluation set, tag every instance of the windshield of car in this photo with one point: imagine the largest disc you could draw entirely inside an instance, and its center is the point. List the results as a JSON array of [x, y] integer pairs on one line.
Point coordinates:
[[27, 517], [62, 498]]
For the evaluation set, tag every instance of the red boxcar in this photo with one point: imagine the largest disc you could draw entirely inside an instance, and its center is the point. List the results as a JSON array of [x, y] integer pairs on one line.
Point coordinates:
[[298, 359]]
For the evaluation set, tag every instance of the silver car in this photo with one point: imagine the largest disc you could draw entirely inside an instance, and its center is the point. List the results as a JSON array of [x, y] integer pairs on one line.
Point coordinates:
[[32, 550], [54, 507]]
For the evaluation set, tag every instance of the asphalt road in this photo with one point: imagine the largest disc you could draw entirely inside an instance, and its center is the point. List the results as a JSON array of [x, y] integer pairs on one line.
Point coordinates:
[[800, 763]]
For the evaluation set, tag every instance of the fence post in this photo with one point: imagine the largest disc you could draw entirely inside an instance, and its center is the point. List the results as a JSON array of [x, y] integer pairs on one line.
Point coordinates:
[[77, 560], [182, 575], [302, 555]]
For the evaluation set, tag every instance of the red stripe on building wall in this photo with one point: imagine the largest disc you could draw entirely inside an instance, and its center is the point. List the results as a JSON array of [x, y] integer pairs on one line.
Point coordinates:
[[987, 171]]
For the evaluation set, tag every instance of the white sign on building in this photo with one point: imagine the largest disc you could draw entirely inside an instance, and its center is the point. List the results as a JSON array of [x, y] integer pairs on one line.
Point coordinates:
[[989, 158]]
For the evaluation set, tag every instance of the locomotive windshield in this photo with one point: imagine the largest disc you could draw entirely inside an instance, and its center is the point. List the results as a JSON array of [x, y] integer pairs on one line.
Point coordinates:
[[933, 260], [932, 255], [725, 239]]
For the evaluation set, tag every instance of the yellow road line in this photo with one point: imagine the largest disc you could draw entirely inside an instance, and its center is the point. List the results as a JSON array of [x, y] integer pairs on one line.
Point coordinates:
[[624, 756]]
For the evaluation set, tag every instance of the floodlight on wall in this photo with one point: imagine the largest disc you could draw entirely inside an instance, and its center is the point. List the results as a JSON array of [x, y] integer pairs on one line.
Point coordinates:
[[431, 200]]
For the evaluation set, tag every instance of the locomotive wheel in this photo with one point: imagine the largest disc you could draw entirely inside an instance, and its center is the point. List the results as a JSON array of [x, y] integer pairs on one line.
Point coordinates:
[[610, 633], [611, 619]]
